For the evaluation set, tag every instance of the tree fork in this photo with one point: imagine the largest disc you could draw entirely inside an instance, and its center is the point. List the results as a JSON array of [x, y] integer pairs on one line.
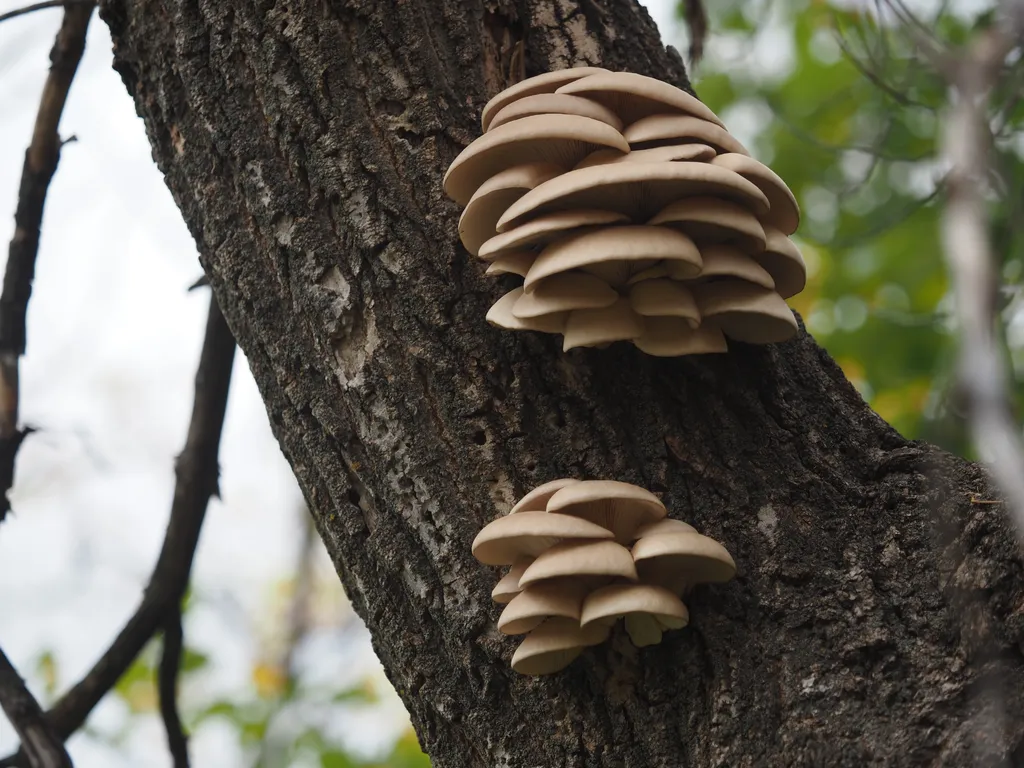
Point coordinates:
[[876, 617]]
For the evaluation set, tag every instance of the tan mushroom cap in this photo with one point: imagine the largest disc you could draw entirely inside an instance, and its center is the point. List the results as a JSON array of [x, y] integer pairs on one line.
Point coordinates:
[[500, 314], [554, 645], [677, 561], [554, 104], [659, 269], [724, 260], [664, 298], [527, 534], [537, 499], [665, 525], [636, 243], [744, 311], [494, 196], [632, 96], [578, 559], [508, 585], [658, 129], [514, 263], [638, 190], [713, 220], [563, 140], [563, 597], [594, 327], [565, 292], [619, 507], [545, 229], [784, 213], [549, 82], [698, 153], [673, 337], [784, 263], [648, 609]]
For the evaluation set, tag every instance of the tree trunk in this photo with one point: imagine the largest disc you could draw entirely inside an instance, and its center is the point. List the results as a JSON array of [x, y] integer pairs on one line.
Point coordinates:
[[878, 614]]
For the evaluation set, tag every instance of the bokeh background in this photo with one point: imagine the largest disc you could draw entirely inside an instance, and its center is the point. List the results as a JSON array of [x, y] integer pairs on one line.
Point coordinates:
[[279, 671]]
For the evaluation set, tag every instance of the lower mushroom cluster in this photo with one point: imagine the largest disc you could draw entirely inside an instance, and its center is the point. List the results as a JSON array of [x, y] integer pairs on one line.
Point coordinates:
[[585, 553]]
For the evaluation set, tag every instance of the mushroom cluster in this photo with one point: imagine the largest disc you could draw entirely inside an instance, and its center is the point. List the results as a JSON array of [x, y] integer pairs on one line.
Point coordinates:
[[631, 213], [585, 553]]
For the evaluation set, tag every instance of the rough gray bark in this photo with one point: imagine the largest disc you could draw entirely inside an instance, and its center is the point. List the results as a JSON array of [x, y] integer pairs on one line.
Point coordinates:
[[878, 615]]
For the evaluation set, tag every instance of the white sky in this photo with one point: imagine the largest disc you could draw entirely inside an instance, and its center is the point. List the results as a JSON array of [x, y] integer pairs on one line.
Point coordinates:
[[113, 340]]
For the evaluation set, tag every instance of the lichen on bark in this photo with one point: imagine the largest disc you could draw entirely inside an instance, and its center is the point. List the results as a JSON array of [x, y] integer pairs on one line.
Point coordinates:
[[877, 609]]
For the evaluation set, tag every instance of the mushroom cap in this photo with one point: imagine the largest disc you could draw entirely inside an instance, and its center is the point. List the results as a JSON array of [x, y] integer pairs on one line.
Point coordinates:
[[514, 263], [619, 507], [665, 525], [638, 190], [563, 140], [659, 269], [549, 82], [562, 597], [784, 263], [527, 534], [784, 213], [545, 229], [680, 560], [537, 499], [508, 585], [723, 260], [493, 198], [632, 96], [594, 327], [673, 336], [634, 243], [500, 314], [554, 104], [698, 153], [713, 220], [658, 129], [554, 645], [564, 292], [664, 298], [578, 559], [662, 609], [744, 311]]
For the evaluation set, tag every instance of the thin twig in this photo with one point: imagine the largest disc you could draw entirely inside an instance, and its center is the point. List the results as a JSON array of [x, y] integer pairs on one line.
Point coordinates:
[[40, 164], [167, 686], [43, 748], [966, 143], [43, 6], [196, 474]]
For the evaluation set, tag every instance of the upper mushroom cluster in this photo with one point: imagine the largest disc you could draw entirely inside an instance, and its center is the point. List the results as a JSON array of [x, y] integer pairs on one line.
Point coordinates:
[[585, 553], [632, 215]]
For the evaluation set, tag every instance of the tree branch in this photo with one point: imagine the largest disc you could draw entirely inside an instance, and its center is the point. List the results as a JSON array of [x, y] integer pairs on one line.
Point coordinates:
[[966, 144], [167, 685], [43, 748], [40, 164], [196, 471], [43, 6]]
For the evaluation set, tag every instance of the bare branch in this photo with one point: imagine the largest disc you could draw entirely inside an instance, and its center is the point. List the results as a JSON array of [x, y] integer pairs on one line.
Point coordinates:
[[43, 748], [167, 685], [43, 6], [966, 144], [40, 164], [196, 473]]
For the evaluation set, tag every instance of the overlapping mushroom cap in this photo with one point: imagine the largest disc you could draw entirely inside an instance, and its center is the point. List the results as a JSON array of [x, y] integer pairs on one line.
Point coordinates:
[[631, 213], [586, 553]]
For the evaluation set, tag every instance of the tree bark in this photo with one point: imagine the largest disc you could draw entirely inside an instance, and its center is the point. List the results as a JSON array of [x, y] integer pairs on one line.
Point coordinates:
[[878, 614]]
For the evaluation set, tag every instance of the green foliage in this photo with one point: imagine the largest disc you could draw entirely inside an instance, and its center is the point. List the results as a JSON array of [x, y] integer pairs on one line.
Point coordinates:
[[852, 126]]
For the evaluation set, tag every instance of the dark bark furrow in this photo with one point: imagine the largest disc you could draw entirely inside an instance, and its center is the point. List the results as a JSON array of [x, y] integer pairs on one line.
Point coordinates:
[[305, 145]]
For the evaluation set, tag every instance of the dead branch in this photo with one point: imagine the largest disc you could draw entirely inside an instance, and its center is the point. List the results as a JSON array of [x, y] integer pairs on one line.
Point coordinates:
[[43, 6], [196, 472], [43, 748], [40, 164], [966, 143], [167, 686]]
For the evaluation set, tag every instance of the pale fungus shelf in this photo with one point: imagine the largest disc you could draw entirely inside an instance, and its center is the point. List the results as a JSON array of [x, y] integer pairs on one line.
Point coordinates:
[[631, 213], [586, 553]]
